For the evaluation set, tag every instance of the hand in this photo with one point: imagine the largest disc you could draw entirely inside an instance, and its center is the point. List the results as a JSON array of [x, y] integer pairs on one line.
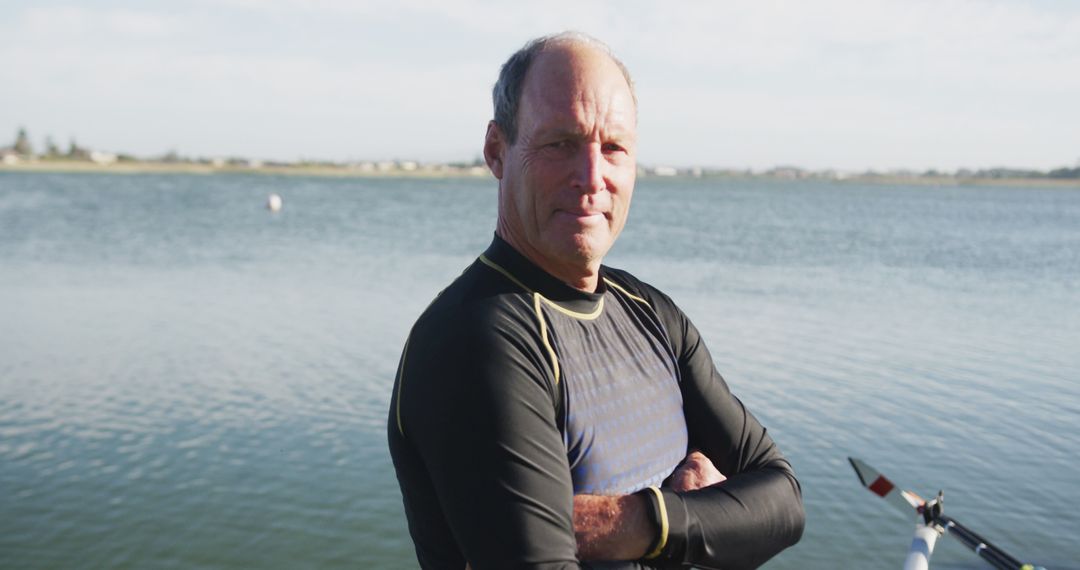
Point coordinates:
[[695, 472]]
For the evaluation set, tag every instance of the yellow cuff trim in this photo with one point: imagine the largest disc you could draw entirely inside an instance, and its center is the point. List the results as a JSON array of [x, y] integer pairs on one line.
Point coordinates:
[[662, 507]]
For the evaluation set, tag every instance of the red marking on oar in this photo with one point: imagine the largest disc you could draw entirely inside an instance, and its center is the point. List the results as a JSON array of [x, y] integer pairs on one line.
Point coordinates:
[[881, 486]]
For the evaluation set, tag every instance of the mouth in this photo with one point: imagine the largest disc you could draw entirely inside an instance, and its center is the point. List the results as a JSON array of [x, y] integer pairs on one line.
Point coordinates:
[[582, 214], [582, 217]]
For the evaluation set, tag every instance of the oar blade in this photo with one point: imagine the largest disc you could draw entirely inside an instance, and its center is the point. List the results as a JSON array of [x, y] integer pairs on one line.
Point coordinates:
[[902, 500]]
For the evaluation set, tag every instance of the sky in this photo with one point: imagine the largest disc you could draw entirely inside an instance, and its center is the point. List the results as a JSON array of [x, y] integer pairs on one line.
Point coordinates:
[[845, 84]]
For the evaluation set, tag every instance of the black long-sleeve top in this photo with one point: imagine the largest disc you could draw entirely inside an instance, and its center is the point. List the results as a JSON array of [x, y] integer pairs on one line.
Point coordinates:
[[516, 391]]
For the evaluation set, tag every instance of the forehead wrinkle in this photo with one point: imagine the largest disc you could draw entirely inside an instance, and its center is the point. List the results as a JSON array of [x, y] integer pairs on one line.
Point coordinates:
[[567, 95], [589, 114]]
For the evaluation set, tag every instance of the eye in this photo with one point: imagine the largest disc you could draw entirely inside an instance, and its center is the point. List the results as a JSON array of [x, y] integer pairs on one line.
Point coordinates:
[[560, 147], [612, 148]]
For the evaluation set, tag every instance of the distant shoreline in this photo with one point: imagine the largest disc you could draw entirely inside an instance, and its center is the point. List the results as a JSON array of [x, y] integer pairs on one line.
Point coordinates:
[[145, 167]]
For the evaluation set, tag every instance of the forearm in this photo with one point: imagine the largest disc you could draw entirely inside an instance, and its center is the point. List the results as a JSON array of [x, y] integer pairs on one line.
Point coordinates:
[[612, 528], [740, 523], [622, 528]]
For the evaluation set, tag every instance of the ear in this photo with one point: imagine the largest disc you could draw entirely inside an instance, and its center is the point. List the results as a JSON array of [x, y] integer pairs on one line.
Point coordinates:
[[494, 149]]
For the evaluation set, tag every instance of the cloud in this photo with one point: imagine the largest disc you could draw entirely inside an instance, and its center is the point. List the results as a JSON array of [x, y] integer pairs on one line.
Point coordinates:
[[849, 83], [793, 81], [68, 24]]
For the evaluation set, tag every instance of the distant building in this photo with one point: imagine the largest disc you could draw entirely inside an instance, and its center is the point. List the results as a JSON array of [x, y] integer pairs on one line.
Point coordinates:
[[8, 156], [787, 172], [98, 157]]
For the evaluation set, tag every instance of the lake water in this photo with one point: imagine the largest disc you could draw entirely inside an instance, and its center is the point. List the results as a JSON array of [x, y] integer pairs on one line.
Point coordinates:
[[188, 381]]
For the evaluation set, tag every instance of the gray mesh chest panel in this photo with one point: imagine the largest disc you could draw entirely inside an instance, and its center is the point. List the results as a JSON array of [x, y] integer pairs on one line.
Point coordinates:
[[623, 421]]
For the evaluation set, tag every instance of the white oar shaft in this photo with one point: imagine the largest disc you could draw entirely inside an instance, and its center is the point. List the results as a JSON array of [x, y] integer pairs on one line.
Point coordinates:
[[922, 546]]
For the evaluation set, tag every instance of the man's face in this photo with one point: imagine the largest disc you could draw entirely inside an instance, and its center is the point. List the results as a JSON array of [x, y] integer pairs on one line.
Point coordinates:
[[566, 182]]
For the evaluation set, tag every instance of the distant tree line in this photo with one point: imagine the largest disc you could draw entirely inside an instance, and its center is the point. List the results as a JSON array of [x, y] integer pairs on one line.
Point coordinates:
[[23, 147], [1000, 173], [51, 151]]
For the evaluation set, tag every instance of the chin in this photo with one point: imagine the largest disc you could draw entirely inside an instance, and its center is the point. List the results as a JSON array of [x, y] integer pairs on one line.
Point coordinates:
[[588, 249]]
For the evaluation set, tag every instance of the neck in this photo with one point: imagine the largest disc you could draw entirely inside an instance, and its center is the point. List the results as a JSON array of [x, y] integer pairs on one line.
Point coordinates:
[[583, 276]]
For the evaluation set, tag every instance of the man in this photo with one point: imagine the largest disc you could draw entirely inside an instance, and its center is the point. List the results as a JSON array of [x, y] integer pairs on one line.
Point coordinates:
[[549, 410]]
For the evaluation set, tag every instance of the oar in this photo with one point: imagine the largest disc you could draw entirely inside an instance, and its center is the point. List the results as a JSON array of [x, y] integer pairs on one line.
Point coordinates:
[[932, 518]]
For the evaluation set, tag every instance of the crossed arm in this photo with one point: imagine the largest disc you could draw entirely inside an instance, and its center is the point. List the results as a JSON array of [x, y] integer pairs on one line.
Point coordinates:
[[754, 514], [618, 528]]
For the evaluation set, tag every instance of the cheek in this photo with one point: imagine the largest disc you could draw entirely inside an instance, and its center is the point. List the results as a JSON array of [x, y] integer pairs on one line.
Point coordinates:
[[540, 193], [622, 180], [621, 202], [620, 212]]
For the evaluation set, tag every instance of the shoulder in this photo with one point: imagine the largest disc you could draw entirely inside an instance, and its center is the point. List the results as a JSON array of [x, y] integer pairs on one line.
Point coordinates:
[[476, 306], [481, 328], [677, 327], [657, 299], [477, 348]]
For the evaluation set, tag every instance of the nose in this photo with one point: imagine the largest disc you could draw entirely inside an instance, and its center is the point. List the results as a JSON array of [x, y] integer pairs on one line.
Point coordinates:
[[589, 170]]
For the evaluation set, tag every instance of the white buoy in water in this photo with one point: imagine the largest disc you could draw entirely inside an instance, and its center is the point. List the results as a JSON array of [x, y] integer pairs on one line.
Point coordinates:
[[273, 203]]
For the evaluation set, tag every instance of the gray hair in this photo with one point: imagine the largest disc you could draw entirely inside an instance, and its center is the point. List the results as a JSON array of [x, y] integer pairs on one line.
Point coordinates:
[[507, 92]]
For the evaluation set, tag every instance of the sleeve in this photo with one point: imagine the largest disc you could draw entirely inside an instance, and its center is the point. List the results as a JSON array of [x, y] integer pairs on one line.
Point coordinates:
[[758, 511], [476, 448]]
